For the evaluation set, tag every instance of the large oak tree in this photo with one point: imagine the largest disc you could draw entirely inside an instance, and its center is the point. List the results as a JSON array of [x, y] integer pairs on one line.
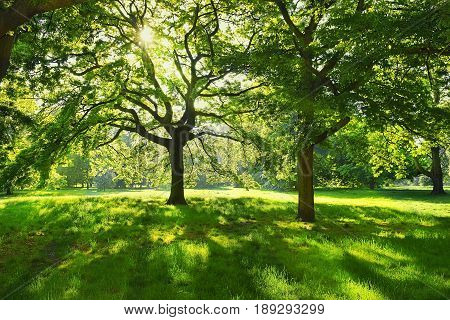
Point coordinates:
[[145, 68]]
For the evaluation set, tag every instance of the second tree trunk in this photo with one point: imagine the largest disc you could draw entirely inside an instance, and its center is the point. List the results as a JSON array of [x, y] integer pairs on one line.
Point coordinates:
[[436, 172], [305, 162]]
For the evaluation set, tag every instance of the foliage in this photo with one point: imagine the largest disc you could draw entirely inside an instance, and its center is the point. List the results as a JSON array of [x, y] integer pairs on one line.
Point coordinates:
[[396, 151], [16, 126], [345, 159], [77, 171], [110, 79]]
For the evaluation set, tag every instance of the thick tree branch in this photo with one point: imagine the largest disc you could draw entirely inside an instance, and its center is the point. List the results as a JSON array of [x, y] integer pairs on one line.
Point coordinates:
[[23, 10], [20, 12], [361, 6], [116, 135], [231, 94], [145, 107], [287, 18], [221, 116], [139, 129], [421, 169], [214, 134], [329, 132], [6, 46]]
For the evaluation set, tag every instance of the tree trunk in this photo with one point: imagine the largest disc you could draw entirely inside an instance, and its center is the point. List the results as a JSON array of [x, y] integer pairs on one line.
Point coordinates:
[[6, 46], [305, 164], [372, 183], [177, 168], [8, 191], [436, 172]]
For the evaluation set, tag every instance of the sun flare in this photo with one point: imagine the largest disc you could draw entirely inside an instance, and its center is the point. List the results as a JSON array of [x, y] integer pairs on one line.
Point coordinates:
[[146, 35]]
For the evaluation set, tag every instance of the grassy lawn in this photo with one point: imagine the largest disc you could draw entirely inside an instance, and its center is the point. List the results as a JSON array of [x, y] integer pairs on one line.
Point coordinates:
[[228, 244]]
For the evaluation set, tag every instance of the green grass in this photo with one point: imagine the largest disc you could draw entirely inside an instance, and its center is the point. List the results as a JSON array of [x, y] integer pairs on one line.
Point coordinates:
[[228, 244]]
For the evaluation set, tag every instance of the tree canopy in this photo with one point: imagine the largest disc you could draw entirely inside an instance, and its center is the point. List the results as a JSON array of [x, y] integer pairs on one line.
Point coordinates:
[[277, 94]]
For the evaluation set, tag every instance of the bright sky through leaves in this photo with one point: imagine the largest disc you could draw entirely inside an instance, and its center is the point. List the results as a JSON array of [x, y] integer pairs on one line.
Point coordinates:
[[146, 35]]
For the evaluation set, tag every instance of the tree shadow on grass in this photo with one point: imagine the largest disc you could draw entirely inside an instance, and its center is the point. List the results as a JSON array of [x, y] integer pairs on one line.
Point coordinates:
[[395, 194], [247, 248], [377, 221], [394, 286]]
